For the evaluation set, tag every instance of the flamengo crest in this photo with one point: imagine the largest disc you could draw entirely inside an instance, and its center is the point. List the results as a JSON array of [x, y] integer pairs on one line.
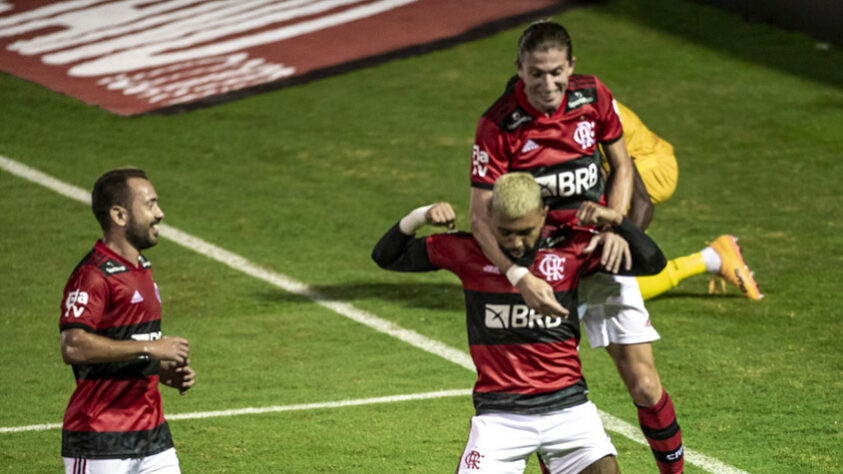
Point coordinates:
[[472, 459], [584, 134], [553, 267]]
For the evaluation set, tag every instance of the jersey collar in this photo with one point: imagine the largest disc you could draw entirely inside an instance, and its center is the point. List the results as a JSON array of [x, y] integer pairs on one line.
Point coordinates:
[[141, 264]]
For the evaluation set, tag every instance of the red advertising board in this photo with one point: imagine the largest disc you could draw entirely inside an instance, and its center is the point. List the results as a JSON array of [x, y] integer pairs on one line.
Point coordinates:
[[137, 56]]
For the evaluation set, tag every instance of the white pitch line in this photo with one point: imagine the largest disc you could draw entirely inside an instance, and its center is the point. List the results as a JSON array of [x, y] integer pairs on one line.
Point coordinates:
[[708, 463], [278, 409], [344, 309]]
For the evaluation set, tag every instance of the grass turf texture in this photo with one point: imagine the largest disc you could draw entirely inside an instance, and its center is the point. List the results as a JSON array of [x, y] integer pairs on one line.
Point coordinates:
[[304, 180]]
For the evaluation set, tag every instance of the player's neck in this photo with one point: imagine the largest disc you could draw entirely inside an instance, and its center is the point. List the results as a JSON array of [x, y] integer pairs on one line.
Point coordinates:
[[122, 247]]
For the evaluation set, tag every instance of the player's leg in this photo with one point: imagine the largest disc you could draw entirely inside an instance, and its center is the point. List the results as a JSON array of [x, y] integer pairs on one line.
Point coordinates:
[[723, 257], [615, 317], [656, 413], [675, 271], [499, 443], [658, 174], [573, 440], [637, 368]]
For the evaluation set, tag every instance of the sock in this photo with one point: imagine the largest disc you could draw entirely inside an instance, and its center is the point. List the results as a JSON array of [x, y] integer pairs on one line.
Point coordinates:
[[676, 270], [712, 260], [659, 425]]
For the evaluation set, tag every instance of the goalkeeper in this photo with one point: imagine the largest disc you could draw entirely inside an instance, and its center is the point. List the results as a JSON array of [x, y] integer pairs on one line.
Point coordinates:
[[654, 182]]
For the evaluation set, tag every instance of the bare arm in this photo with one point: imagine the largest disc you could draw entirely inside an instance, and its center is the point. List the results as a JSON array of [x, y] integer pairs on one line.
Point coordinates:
[[478, 213], [620, 176], [82, 347], [536, 292]]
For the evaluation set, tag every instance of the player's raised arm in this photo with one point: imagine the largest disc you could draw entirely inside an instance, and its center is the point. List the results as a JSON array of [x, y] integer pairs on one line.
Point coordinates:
[[399, 250]]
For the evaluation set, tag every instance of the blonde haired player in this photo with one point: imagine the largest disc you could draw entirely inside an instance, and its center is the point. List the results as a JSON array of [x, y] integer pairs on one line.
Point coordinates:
[[654, 183], [530, 395]]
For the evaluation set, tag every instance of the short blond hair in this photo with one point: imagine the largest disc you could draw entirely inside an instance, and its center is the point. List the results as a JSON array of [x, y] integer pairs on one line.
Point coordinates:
[[516, 194]]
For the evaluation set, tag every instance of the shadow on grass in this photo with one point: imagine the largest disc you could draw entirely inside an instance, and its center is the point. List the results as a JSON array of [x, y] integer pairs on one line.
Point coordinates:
[[435, 296], [735, 36], [676, 295]]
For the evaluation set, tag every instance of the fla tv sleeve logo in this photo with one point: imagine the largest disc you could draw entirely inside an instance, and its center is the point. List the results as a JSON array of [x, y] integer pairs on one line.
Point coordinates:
[[75, 303]]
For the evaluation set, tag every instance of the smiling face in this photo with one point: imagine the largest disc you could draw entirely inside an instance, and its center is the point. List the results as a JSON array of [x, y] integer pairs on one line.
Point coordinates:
[[545, 73], [144, 214]]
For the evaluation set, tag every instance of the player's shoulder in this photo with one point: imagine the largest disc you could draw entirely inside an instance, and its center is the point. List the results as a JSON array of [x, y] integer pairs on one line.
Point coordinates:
[[584, 89], [582, 81], [97, 263], [461, 245], [457, 238], [506, 113]]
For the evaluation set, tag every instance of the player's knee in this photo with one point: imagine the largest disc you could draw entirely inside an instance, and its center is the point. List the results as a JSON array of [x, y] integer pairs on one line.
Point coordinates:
[[646, 390]]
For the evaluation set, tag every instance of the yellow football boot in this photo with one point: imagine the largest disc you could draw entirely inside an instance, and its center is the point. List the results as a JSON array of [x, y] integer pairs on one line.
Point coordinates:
[[733, 268]]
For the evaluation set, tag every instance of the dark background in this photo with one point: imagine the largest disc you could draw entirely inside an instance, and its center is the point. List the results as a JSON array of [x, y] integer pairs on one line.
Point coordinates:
[[822, 19]]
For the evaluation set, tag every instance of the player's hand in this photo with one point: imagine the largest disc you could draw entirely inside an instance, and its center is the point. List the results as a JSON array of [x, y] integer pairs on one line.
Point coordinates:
[[175, 349], [180, 377], [539, 296], [441, 214], [615, 251], [593, 214]]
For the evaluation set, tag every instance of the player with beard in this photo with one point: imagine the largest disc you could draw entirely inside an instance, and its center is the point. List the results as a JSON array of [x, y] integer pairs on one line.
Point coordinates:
[[530, 394], [111, 333], [552, 124]]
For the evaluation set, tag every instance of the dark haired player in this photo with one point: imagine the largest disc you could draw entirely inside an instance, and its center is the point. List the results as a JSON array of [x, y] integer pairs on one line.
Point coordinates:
[[551, 123], [530, 394], [111, 334]]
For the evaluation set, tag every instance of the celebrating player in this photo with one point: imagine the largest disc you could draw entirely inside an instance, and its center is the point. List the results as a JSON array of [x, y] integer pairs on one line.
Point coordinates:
[[549, 123], [111, 334], [530, 394]]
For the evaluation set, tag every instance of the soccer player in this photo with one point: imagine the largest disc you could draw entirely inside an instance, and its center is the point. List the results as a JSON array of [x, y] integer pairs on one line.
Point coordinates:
[[111, 333], [549, 123], [530, 394], [654, 182]]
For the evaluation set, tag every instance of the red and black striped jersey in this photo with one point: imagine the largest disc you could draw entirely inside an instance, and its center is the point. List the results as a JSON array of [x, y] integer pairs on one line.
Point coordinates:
[[561, 151], [526, 362], [115, 410]]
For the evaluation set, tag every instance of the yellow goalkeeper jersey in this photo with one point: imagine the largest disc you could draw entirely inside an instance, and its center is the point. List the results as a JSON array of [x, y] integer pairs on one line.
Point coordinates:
[[653, 156]]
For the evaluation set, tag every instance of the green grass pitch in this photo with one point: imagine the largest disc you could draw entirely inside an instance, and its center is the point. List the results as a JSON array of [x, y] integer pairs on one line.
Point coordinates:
[[304, 180]]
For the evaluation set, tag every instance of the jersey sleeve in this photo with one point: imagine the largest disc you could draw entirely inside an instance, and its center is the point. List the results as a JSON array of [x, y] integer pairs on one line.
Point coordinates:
[[84, 301], [609, 128], [489, 158], [444, 251], [400, 252]]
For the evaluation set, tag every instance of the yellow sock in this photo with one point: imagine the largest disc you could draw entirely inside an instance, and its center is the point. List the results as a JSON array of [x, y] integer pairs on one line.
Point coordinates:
[[676, 270]]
